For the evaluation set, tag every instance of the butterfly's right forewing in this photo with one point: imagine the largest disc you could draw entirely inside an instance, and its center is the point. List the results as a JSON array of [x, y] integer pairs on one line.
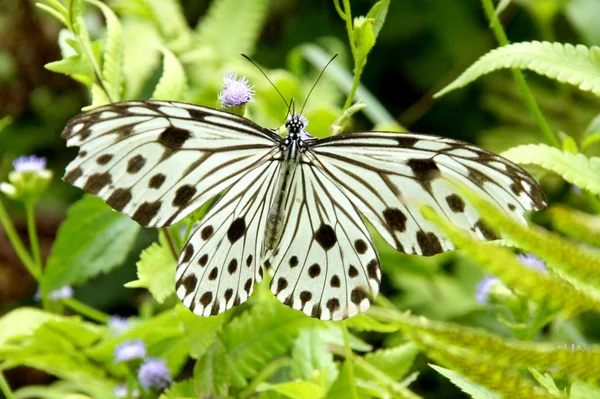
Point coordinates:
[[158, 161]]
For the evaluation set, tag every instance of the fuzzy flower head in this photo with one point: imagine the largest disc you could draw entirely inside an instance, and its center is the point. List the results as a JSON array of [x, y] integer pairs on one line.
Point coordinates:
[[118, 323], [130, 350], [236, 92], [532, 262], [484, 287], [154, 374], [28, 180], [64, 292]]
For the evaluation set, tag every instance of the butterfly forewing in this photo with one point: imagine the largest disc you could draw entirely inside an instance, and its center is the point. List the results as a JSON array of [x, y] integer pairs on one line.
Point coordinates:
[[158, 161], [325, 264], [387, 176], [221, 261]]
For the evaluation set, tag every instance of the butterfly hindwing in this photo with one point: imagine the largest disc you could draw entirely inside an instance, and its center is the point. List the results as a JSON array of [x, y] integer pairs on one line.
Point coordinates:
[[158, 161], [325, 263], [389, 175], [221, 261]]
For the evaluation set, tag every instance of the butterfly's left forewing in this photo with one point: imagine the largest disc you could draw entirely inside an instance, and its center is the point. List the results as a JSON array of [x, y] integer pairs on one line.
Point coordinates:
[[325, 263], [157, 161]]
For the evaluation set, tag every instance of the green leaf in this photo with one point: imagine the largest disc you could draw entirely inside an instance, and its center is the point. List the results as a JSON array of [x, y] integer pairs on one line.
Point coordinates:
[[474, 390], [176, 30], [75, 66], [156, 272], [546, 381], [211, 372], [364, 389], [364, 322], [311, 361], [502, 5], [99, 97], [583, 390], [378, 13], [200, 331], [141, 55], [575, 168], [581, 226], [260, 334], [22, 321], [577, 65], [180, 390], [172, 84], [239, 21], [395, 361], [112, 68], [93, 239], [294, 389]]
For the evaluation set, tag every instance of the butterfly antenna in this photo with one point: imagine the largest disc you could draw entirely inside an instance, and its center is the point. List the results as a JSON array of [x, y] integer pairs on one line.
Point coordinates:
[[269, 80], [317, 81]]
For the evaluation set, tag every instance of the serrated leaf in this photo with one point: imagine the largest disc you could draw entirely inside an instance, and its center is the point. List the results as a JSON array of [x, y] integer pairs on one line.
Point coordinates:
[[22, 321], [99, 98], [75, 66], [395, 361], [156, 272], [294, 389], [378, 12], [211, 372], [546, 381], [93, 239], [177, 29], [576, 65], [172, 85], [112, 67], [260, 334], [180, 390], [579, 225], [200, 331], [473, 390], [141, 54], [239, 21], [364, 322], [311, 361], [578, 169]]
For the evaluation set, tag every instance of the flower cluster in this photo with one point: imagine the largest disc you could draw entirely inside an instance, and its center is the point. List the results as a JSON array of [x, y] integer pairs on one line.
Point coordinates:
[[236, 92], [28, 180], [152, 373]]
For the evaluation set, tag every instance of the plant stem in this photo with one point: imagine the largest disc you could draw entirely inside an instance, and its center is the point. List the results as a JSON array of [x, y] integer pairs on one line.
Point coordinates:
[[169, 239], [264, 375], [85, 310], [349, 362], [550, 136], [359, 64], [5, 388], [33, 237], [17, 244]]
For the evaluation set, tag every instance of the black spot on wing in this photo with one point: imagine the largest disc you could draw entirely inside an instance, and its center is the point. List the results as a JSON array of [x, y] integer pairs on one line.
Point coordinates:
[[424, 169], [206, 232], [146, 212], [395, 219], [429, 243], [236, 230], [73, 175], [136, 164], [97, 182], [188, 252], [455, 203], [183, 195], [157, 181], [174, 137], [119, 198], [325, 236], [487, 233]]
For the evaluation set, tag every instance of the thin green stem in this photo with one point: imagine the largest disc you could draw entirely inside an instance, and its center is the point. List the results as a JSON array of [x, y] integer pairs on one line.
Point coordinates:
[[188, 230], [549, 135], [349, 362], [339, 10], [5, 388], [348, 18], [86, 310], [33, 236], [264, 375], [167, 235], [17, 244], [359, 62]]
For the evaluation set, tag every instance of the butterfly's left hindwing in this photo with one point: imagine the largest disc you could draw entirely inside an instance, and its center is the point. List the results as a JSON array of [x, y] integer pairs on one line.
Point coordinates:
[[158, 161]]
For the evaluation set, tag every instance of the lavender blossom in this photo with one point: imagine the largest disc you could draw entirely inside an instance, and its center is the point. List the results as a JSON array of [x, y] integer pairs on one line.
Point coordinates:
[[29, 164], [532, 262], [236, 92], [484, 286], [130, 350], [154, 374]]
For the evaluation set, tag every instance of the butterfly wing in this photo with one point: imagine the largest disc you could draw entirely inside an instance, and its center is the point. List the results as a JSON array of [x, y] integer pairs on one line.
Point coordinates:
[[221, 261], [158, 161], [325, 263], [387, 176]]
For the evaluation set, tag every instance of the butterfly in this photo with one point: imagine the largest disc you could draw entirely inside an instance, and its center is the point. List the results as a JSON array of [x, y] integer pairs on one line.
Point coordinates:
[[291, 203]]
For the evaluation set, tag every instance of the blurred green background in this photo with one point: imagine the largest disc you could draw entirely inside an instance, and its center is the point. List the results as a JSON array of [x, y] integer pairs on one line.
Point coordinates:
[[423, 46]]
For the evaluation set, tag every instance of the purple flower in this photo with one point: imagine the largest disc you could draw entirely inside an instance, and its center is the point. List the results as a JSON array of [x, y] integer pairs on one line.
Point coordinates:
[[118, 323], [130, 350], [532, 262], [29, 164], [64, 292], [154, 374], [236, 91], [484, 286]]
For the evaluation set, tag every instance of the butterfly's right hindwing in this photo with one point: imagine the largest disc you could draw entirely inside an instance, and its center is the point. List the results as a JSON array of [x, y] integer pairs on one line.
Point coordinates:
[[158, 161]]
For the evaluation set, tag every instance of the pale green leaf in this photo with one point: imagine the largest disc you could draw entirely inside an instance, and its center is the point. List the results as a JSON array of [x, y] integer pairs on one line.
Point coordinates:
[[378, 12], [365, 389], [180, 390], [395, 361], [546, 381], [473, 390], [156, 272], [93, 239], [583, 390], [364, 322], [112, 68], [200, 331], [211, 372], [294, 389], [577, 65], [311, 361], [502, 5], [582, 226], [22, 321], [231, 27], [176, 29], [99, 97], [577, 169], [141, 55], [75, 66], [172, 84]]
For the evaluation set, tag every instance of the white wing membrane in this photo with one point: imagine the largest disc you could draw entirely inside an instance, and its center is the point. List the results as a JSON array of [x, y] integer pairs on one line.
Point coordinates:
[[325, 264], [387, 176], [221, 261], [157, 161]]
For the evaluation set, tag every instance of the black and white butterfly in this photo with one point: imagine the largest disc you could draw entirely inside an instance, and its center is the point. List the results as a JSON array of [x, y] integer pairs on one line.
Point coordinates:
[[292, 203]]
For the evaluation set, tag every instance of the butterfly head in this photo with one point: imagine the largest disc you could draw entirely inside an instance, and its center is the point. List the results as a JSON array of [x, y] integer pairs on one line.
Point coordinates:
[[296, 126]]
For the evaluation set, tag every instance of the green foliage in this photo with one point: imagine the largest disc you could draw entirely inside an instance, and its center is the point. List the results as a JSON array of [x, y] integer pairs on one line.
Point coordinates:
[[93, 239], [473, 390], [156, 272], [578, 169], [172, 84], [579, 225], [575, 65]]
